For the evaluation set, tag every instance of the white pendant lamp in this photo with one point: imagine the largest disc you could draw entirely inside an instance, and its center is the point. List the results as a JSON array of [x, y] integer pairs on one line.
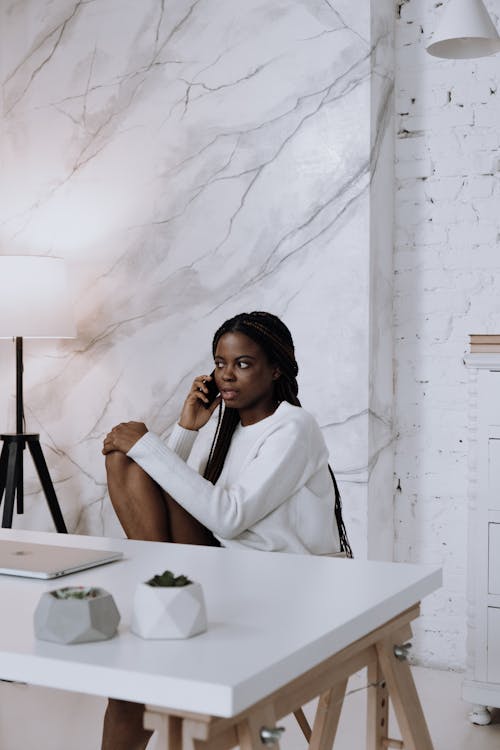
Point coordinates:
[[465, 31]]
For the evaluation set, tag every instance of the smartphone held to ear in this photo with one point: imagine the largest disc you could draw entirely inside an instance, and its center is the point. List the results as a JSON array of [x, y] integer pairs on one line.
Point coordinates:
[[213, 391]]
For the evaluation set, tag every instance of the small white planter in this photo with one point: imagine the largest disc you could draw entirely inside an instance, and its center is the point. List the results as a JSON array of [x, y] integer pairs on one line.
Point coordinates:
[[94, 617], [168, 612]]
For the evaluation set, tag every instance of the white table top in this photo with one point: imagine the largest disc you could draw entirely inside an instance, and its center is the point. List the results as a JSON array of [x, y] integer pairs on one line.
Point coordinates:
[[270, 618]]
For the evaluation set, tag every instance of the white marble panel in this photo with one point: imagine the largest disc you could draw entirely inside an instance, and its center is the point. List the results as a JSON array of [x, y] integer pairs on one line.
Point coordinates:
[[190, 160], [380, 429]]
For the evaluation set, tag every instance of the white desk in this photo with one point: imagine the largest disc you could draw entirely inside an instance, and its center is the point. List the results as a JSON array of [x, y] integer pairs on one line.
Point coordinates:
[[283, 629]]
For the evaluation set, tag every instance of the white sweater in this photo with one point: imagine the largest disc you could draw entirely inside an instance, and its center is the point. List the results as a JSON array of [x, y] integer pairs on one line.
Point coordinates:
[[274, 493]]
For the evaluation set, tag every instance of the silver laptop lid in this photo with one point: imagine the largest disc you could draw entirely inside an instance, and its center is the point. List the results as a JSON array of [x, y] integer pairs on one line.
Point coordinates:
[[33, 560]]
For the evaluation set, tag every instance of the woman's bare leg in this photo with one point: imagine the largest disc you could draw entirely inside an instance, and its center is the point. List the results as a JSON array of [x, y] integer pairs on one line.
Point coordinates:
[[138, 501], [146, 512], [123, 728], [184, 528]]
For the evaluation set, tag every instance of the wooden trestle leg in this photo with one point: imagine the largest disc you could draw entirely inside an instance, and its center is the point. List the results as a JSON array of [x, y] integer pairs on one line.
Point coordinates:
[[377, 718], [390, 677], [404, 698]]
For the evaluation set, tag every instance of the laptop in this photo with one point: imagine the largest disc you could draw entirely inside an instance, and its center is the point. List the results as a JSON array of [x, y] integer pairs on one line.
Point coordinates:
[[33, 560]]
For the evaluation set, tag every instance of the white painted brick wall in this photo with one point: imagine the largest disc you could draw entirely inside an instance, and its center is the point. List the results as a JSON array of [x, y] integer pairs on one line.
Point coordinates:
[[447, 285]]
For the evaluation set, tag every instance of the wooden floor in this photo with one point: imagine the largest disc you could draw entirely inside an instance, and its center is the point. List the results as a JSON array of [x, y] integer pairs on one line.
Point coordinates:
[[74, 720]]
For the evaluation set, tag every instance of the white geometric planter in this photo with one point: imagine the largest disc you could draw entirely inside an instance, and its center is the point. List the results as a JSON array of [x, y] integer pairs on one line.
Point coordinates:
[[168, 612], [76, 620]]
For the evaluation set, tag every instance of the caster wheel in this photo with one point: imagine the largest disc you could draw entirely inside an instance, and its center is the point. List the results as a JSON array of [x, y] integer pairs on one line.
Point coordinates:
[[480, 715]]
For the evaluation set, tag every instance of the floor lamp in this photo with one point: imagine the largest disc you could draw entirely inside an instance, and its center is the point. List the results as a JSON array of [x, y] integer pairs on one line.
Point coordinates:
[[34, 303]]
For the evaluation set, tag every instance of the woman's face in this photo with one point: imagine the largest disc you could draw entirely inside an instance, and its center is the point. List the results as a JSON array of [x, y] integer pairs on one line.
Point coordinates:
[[244, 376]]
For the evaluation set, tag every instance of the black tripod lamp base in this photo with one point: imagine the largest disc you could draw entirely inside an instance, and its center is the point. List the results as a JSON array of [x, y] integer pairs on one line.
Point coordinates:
[[12, 479]]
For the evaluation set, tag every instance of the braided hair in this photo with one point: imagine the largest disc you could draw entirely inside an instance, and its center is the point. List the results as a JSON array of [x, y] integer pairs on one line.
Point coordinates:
[[274, 338]]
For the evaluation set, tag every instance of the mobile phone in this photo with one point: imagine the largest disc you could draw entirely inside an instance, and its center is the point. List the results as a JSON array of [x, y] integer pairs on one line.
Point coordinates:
[[213, 391]]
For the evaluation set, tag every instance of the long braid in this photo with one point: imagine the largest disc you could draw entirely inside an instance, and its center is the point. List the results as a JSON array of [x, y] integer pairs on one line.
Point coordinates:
[[275, 339], [344, 540], [226, 425], [285, 393]]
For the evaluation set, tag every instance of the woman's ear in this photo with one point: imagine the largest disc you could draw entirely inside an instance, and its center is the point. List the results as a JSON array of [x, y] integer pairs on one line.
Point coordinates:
[[276, 373]]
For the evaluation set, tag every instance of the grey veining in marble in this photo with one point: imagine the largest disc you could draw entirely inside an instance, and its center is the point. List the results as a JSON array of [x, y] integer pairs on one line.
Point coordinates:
[[380, 427], [190, 160]]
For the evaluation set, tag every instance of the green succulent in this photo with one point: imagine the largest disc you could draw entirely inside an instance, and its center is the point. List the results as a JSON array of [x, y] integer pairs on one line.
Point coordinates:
[[167, 579], [76, 592]]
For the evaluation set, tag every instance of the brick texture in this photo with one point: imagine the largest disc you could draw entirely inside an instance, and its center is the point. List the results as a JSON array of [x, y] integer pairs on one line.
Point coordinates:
[[447, 285]]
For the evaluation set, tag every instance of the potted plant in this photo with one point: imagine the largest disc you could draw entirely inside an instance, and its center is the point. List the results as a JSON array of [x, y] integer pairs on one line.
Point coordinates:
[[168, 606], [76, 614]]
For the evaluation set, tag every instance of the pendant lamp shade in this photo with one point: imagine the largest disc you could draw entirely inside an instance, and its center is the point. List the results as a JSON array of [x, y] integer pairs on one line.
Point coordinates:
[[34, 298], [465, 31]]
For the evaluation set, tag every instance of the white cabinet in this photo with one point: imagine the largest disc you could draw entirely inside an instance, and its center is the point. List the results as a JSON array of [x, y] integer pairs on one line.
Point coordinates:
[[493, 665], [482, 683], [494, 559]]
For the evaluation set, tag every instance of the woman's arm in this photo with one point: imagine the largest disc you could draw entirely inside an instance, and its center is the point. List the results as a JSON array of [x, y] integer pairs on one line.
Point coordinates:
[[195, 414], [280, 466]]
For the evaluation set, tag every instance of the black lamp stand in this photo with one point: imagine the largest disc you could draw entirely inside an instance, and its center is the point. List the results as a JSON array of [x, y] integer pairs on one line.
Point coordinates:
[[11, 460]]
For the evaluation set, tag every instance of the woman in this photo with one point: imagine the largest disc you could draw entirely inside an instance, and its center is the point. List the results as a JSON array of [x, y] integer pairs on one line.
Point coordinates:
[[265, 483]]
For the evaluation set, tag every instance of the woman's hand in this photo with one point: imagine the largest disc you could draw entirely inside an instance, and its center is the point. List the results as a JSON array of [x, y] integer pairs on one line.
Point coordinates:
[[194, 414], [123, 437]]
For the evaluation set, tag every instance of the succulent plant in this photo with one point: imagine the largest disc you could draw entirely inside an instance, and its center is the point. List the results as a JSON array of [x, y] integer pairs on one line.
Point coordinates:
[[167, 579], [76, 592]]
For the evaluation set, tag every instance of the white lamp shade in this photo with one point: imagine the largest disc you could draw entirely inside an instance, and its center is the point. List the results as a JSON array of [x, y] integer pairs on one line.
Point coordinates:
[[465, 31], [34, 298]]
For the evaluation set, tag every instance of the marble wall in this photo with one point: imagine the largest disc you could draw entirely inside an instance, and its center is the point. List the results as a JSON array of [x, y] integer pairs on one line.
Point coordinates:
[[191, 160], [379, 515]]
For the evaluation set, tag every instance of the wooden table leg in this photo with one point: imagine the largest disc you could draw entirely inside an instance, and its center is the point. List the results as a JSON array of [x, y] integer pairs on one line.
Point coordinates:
[[328, 680], [249, 728], [303, 723], [377, 718], [168, 728], [404, 697], [327, 717]]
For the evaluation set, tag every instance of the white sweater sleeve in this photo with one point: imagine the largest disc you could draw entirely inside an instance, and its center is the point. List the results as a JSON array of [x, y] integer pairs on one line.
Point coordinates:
[[278, 469], [181, 441]]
